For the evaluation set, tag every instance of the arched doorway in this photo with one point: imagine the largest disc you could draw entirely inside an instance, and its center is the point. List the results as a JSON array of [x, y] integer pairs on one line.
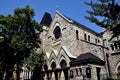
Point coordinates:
[[64, 73], [46, 74], [63, 64], [53, 67]]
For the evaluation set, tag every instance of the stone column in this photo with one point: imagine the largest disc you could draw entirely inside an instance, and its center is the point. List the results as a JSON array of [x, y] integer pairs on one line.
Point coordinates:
[[53, 76], [62, 76], [59, 75]]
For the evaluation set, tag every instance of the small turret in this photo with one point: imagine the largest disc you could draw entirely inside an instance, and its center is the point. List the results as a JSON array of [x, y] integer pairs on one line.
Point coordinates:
[[46, 20]]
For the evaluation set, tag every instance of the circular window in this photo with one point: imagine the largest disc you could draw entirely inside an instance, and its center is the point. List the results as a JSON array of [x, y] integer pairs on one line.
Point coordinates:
[[57, 32]]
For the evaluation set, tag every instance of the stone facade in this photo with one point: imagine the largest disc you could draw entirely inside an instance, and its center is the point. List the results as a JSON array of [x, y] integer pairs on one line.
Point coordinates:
[[113, 54], [64, 39]]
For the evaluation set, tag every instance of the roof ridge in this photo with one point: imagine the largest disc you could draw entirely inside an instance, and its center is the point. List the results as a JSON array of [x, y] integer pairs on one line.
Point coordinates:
[[75, 22]]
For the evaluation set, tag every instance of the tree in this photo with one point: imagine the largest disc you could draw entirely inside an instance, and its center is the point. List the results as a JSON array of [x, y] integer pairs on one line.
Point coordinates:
[[19, 36], [6, 54], [105, 13], [35, 62]]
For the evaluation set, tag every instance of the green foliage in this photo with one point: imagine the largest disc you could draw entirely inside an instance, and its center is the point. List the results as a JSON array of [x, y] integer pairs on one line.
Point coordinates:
[[35, 60], [18, 38], [105, 13]]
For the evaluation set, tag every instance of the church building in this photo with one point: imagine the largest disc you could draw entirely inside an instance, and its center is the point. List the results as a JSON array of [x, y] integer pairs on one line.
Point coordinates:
[[73, 51]]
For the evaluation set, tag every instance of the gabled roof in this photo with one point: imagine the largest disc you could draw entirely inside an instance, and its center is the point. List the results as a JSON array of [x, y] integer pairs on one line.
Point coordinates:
[[87, 58], [76, 23]]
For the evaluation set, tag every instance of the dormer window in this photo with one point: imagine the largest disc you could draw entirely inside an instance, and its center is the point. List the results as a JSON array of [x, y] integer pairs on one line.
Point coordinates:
[[57, 32]]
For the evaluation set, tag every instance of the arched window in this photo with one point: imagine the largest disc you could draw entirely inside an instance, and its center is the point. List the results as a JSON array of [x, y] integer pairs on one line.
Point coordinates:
[[116, 46], [112, 47], [57, 32], [96, 41], [89, 38], [77, 36], [88, 72], [85, 36]]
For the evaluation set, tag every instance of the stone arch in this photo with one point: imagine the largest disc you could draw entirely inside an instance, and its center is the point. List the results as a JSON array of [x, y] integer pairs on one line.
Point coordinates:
[[64, 57], [118, 70], [63, 64], [51, 62], [53, 65], [64, 73], [56, 24]]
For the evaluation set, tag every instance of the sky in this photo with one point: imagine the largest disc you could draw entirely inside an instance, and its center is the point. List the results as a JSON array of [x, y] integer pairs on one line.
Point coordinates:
[[74, 9]]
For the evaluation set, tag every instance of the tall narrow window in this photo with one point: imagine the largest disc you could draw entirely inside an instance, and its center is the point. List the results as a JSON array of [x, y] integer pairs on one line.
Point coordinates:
[[96, 41], [76, 72], [89, 38], [85, 36], [112, 47], [119, 45], [71, 73], [88, 72], [77, 36], [116, 46], [80, 71]]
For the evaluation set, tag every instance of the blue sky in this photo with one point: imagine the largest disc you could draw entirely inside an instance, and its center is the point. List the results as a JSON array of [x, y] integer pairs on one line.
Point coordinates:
[[75, 9]]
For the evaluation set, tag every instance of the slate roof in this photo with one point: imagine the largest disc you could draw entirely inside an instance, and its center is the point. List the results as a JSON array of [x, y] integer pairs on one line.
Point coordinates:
[[77, 23], [87, 58], [46, 20]]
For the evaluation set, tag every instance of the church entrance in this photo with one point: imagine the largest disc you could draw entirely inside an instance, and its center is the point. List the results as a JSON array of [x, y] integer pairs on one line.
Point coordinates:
[[64, 75], [98, 73]]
